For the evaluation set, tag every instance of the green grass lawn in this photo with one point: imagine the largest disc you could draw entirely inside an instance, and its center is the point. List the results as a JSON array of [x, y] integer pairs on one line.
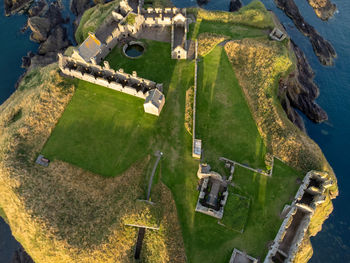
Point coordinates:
[[224, 121], [105, 131], [236, 212], [231, 30], [101, 130]]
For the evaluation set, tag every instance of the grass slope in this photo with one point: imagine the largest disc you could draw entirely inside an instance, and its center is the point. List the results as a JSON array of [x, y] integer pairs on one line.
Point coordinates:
[[224, 121], [93, 18], [102, 131]]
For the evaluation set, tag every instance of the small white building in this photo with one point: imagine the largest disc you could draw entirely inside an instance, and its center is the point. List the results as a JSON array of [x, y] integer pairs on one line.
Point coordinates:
[[154, 102]]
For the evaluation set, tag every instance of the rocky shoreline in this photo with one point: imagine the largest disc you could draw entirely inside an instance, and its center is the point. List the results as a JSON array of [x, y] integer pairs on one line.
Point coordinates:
[[48, 26], [322, 48], [298, 91], [16, 6], [235, 5], [324, 9]]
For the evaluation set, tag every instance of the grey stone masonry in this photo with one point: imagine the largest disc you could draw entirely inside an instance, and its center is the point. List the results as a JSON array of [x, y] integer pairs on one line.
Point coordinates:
[[296, 222], [109, 78]]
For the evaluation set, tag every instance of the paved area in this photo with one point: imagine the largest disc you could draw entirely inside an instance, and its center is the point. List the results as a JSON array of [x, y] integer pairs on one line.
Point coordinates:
[[162, 34]]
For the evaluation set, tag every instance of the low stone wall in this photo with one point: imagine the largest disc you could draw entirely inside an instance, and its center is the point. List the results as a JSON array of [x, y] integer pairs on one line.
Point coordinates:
[[195, 103]]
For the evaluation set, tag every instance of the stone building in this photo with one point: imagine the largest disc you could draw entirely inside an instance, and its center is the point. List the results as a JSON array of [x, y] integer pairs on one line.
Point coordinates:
[[89, 49], [154, 102], [120, 81], [213, 192], [298, 216], [179, 43]]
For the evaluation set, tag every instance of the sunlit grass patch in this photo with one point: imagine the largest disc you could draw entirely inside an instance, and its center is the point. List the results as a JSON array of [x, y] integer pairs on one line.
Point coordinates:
[[101, 130], [224, 121], [236, 212]]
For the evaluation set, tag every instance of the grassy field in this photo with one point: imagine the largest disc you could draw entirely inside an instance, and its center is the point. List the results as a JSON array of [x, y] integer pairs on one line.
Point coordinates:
[[224, 121], [97, 128], [106, 131]]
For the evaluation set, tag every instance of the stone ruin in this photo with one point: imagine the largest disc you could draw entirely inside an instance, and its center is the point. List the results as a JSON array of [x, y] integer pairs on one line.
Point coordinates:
[[277, 34], [126, 22], [133, 85], [241, 257], [213, 192], [299, 213]]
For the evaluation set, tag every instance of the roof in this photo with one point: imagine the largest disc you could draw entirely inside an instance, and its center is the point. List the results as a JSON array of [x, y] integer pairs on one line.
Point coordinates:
[[155, 97], [90, 47], [179, 17]]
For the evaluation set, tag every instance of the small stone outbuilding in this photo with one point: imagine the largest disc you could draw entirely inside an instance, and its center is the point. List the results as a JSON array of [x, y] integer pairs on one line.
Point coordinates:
[[154, 102]]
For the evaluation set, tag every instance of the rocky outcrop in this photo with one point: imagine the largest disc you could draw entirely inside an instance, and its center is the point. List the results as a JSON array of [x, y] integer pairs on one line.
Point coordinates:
[[40, 27], [235, 5], [324, 9], [16, 6], [78, 7], [20, 256], [322, 48], [54, 13], [55, 42], [202, 2], [298, 91], [38, 8]]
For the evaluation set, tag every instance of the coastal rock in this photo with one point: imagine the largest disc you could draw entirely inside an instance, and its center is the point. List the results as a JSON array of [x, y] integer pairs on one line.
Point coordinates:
[[54, 14], [324, 9], [38, 8], [299, 91], [322, 48], [26, 60], [20, 256], [16, 6], [55, 42], [202, 2], [40, 27], [43, 60], [235, 5], [78, 7]]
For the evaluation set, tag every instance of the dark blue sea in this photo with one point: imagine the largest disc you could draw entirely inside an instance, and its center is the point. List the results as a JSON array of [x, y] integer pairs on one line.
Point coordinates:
[[332, 244]]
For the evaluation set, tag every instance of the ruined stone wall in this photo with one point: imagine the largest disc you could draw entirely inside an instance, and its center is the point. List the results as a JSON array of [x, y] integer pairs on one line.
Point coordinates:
[[307, 209], [63, 60]]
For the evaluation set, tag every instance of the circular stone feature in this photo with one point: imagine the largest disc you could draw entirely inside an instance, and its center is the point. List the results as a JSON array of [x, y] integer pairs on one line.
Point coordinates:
[[133, 49]]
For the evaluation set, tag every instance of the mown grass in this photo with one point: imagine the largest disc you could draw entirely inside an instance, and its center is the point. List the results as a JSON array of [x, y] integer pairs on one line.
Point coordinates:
[[224, 121], [102, 131], [236, 212]]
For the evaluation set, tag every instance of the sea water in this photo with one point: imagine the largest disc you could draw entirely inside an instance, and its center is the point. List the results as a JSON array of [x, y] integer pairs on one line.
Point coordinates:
[[332, 243]]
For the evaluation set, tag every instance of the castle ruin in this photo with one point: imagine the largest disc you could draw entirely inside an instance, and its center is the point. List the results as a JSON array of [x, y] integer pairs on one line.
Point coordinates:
[[295, 224], [122, 23], [120, 81]]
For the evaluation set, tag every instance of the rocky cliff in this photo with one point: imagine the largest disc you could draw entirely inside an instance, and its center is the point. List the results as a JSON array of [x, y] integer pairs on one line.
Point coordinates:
[[324, 9], [47, 25], [298, 91], [322, 48], [16, 6], [235, 5]]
